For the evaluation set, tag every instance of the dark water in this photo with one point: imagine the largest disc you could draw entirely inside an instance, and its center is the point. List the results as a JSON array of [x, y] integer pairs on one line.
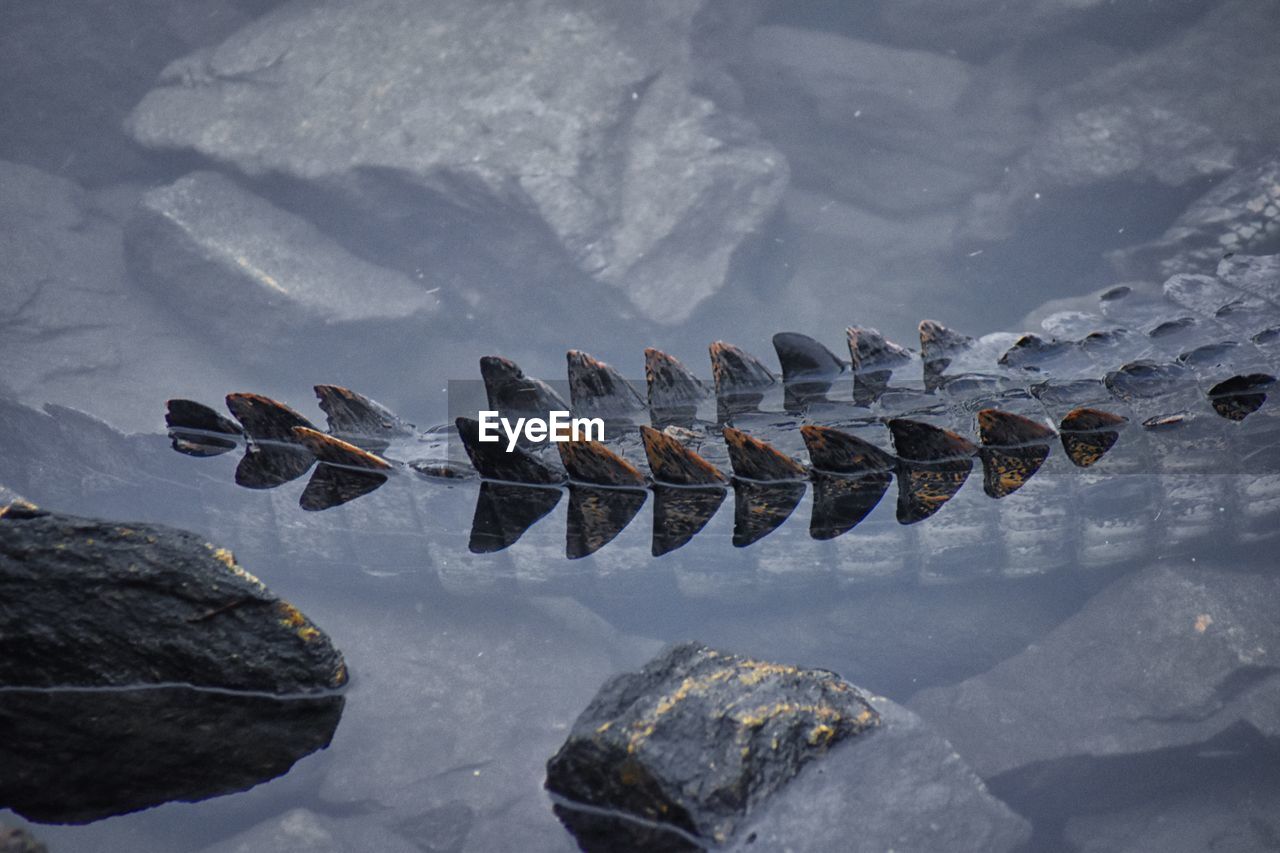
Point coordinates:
[[997, 158]]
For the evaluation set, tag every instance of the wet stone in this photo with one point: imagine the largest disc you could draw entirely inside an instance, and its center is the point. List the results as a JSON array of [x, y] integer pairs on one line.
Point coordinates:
[[699, 737], [250, 273], [559, 143], [90, 603], [1197, 645]]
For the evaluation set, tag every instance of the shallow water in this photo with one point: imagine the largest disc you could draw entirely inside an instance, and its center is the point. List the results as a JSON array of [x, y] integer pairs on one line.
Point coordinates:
[[468, 669]]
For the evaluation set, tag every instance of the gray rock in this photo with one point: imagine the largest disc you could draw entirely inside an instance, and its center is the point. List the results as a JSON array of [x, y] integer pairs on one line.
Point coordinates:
[[75, 331], [1158, 116], [1169, 656], [14, 840], [250, 273], [301, 830], [902, 788], [1231, 816], [553, 139], [73, 70], [1240, 214], [893, 130], [91, 603], [978, 27]]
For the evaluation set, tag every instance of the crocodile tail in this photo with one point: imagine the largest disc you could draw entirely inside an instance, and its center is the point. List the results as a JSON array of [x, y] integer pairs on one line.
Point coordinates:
[[355, 418], [841, 453], [596, 516], [197, 430], [265, 419], [673, 463], [1087, 434], [1013, 449], [595, 388], [495, 462], [752, 459], [740, 378], [511, 392], [873, 359], [593, 463], [933, 464], [938, 345], [1240, 396], [335, 451]]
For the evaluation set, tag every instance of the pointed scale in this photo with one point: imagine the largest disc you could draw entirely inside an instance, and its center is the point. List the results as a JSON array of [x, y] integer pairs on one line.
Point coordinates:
[[1013, 449], [673, 463]]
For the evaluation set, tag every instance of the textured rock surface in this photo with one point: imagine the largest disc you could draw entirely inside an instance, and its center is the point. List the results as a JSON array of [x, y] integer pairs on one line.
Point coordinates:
[[1240, 214], [570, 134], [1198, 657], [896, 131], [903, 788], [86, 603], [1159, 115], [74, 68], [304, 831], [249, 273], [699, 737], [74, 756], [73, 323]]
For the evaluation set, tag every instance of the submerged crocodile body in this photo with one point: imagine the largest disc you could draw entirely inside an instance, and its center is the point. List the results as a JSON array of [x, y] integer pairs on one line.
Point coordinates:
[[1155, 395]]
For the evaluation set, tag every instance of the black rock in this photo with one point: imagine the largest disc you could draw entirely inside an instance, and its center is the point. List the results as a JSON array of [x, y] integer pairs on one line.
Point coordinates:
[[90, 603], [699, 737], [74, 756]]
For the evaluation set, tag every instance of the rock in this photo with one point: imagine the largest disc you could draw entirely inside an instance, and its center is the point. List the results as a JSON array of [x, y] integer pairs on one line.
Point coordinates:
[[304, 831], [1197, 645], [75, 756], [1240, 214], [901, 788], [88, 603], [249, 273], [458, 704], [75, 330], [699, 737], [895, 131], [73, 70], [551, 142], [13, 840], [979, 27], [1235, 815], [1159, 116]]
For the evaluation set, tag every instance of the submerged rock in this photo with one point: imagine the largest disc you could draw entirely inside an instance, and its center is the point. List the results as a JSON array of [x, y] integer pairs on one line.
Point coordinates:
[[550, 142], [75, 330], [1169, 656], [1158, 116], [891, 130], [249, 273], [13, 840], [89, 603], [699, 737], [707, 747], [74, 756], [1240, 214]]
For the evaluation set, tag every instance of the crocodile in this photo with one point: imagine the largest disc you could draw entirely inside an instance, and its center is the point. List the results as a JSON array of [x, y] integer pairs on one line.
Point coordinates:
[[1153, 393]]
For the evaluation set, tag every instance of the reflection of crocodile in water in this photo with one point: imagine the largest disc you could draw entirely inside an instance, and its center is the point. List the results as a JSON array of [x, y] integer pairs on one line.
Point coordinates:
[[1159, 352]]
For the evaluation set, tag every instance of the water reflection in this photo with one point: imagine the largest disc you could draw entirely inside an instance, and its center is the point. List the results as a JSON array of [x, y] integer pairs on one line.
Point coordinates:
[[75, 756]]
